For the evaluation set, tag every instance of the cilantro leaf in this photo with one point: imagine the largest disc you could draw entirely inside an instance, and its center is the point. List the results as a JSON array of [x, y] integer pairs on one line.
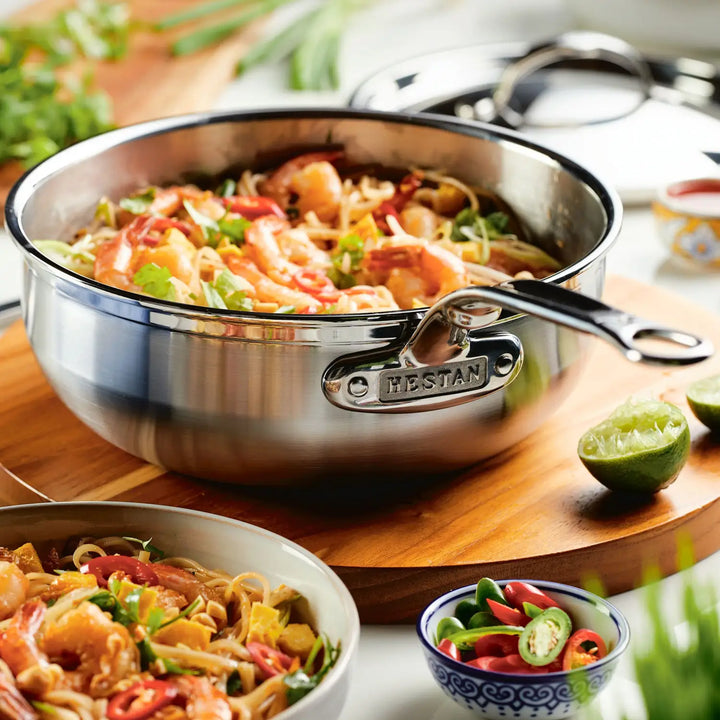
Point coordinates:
[[235, 228], [155, 281], [487, 228], [227, 292], [347, 258], [126, 613], [233, 684], [140, 203], [354, 247]]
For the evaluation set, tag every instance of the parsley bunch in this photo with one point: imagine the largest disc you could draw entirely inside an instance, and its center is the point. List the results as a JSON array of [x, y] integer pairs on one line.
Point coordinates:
[[42, 110]]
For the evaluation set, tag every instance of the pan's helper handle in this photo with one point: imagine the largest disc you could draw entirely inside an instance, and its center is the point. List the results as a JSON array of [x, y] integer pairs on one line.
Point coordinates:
[[580, 312]]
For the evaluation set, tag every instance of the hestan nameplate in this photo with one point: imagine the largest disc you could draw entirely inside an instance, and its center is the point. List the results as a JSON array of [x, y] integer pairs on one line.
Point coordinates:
[[409, 383]]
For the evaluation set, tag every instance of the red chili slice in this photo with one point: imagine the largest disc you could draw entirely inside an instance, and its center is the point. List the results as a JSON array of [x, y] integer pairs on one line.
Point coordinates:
[[141, 700], [317, 284], [583, 647], [449, 648], [507, 664], [507, 615], [496, 645], [103, 567], [517, 593], [271, 661], [252, 206]]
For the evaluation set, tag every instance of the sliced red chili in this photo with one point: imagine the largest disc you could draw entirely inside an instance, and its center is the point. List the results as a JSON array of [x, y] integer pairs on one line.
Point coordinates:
[[252, 206], [164, 223], [271, 661], [507, 615], [506, 664], [141, 700], [449, 648], [583, 647], [518, 593], [103, 567], [316, 283], [138, 231], [496, 645]]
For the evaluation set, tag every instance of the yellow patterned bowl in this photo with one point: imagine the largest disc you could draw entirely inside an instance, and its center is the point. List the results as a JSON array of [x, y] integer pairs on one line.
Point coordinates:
[[687, 216]]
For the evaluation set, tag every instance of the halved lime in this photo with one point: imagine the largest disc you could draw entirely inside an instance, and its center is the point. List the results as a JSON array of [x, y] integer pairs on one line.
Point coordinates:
[[703, 397], [641, 447]]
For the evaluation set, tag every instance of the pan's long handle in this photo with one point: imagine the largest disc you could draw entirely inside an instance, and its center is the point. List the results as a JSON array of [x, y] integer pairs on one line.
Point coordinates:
[[445, 363], [579, 312]]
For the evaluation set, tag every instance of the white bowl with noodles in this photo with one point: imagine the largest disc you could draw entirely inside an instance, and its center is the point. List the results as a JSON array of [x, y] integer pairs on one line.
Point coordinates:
[[217, 543]]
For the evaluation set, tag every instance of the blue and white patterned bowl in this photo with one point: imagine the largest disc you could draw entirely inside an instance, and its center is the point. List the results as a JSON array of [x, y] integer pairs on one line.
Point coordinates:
[[501, 696]]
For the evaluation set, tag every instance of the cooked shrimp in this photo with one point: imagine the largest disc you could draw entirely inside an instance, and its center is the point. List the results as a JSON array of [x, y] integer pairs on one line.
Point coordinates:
[[203, 700], [183, 582], [267, 290], [13, 706], [419, 221], [277, 186], [168, 201], [99, 651], [365, 297], [17, 643], [262, 247], [117, 260], [113, 262], [174, 252], [319, 190], [297, 247], [13, 588], [416, 272], [19, 650]]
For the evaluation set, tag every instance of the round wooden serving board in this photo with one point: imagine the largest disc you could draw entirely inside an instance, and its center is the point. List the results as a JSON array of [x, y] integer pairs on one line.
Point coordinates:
[[531, 512]]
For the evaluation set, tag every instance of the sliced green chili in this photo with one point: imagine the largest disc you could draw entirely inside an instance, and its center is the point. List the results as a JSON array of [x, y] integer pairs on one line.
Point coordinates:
[[544, 637]]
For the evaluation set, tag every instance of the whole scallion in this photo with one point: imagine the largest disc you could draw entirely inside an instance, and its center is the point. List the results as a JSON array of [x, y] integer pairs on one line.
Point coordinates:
[[311, 41]]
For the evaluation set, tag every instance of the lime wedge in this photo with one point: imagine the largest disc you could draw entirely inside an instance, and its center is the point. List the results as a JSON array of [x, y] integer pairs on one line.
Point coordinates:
[[703, 397], [641, 447]]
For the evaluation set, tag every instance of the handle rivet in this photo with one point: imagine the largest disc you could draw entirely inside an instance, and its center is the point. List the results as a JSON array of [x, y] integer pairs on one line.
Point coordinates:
[[504, 364], [358, 387]]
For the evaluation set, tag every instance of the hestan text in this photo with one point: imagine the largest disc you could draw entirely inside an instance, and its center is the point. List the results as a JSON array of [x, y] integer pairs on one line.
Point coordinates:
[[413, 382]]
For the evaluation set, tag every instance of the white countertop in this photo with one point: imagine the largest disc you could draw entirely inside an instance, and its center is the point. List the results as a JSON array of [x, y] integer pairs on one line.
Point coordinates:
[[391, 681]]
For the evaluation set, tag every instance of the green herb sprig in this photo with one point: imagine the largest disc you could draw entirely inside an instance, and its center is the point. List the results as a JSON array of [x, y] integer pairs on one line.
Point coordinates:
[[41, 111]]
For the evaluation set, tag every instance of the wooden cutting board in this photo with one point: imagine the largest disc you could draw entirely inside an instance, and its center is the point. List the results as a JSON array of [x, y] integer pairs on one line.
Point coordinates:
[[149, 82], [531, 512]]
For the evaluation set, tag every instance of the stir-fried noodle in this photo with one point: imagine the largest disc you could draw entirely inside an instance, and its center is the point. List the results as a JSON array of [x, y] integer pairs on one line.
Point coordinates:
[[313, 236], [114, 630]]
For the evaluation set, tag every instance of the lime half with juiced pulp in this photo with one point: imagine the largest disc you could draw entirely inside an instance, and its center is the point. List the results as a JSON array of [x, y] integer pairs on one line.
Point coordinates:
[[703, 397], [640, 448]]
